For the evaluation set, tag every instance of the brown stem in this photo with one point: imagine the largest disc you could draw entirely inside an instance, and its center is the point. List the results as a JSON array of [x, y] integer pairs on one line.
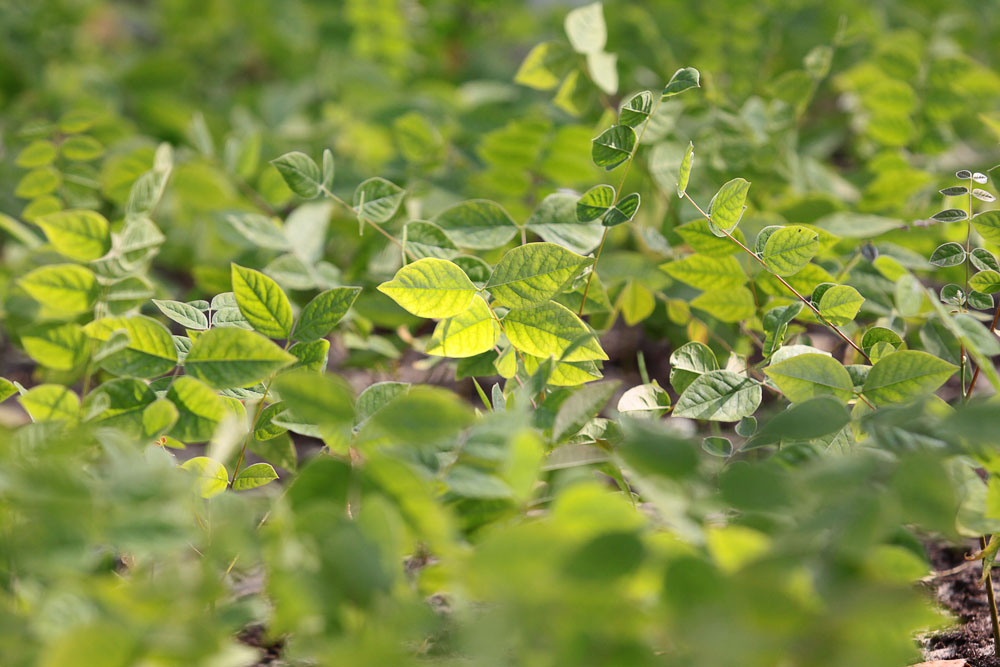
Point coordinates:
[[785, 283], [975, 375]]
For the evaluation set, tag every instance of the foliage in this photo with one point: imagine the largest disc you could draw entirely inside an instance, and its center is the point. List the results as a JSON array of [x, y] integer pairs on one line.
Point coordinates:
[[240, 239]]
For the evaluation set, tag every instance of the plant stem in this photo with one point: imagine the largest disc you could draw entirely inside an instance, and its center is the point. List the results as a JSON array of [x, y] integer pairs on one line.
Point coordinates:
[[993, 605], [253, 424], [791, 289], [618, 196], [975, 375], [381, 231], [962, 357]]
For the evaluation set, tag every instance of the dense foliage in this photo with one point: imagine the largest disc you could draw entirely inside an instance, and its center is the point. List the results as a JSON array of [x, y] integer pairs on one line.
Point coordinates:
[[388, 332]]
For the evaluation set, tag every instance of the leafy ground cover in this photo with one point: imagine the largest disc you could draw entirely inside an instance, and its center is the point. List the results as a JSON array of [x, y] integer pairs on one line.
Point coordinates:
[[498, 333]]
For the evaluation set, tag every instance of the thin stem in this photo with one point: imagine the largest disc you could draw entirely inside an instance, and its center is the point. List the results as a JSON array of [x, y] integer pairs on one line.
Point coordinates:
[[975, 375], [993, 604], [381, 231], [791, 289], [253, 424], [962, 356], [618, 196]]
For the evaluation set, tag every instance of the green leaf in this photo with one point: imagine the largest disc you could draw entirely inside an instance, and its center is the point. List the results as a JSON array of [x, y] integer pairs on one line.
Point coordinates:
[[906, 374], [150, 351], [582, 406], [225, 358], [467, 334], [719, 396], [623, 211], [948, 254], [954, 191], [699, 235], [262, 302], [775, 323], [78, 234], [377, 199], [806, 376], [728, 204], [478, 224], [425, 239], [730, 305], [120, 404], [707, 273], [36, 154], [185, 315], [603, 70], [431, 287], [376, 397], [7, 389], [300, 172], [254, 476], [953, 294], [983, 260], [51, 403], [586, 29], [986, 282], [683, 79], [556, 221], [789, 249], [637, 302], [689, 361], [313, 355], [717, 446], [684, 175], [807, 420], [980, 301], [840, 304], [158, 418], [38, 182], [262, 230], [82, 148], [61, 347], [534, 273], [951, 215], [321, 399], [423, 415], [636, 110], [551, 330], [647, 401], [199, 408], [212, 475], [323, 312], [613, 146], [983, 195], [988, 225], [595, 202], [544, 66]]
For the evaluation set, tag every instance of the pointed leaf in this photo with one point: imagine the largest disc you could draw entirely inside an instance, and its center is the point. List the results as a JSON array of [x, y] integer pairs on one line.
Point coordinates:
[[906, 374], [79, 234], [550, 330], [224, 358], [719, 396], [431, 287], [806, 376], [534, 273], [467, 334], [262, 302], [789, 249]]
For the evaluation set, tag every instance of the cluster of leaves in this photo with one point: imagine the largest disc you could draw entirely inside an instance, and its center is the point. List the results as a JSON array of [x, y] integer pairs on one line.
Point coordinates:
[[805, 408]]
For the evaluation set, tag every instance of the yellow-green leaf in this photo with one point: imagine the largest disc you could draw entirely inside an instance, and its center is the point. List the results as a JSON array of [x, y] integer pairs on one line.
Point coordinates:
[[431, 287]]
